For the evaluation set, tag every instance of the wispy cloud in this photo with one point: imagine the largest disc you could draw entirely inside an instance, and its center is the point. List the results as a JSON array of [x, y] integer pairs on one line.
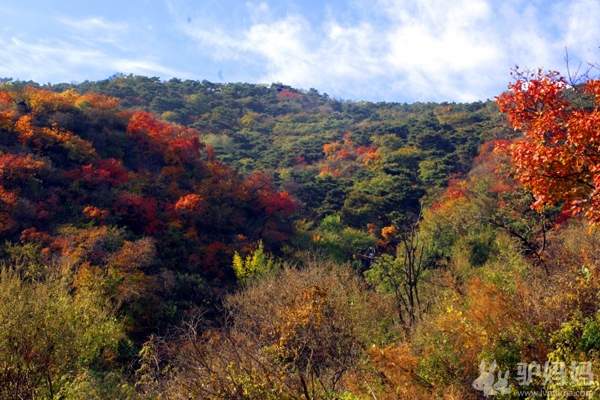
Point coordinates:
[[414, 50], [439, 48], [292, 51], [94, 25], [76, 49], [395, 50], [95, 32], [58, 61]]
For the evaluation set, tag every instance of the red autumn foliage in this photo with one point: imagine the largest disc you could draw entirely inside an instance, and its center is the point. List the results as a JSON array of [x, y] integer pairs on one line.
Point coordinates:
[[365, 149], [557, 158], [183, 150], [6, 100], [214, 253], [128, 170], [343, 154], [280, 203], [47, 209], [176, 144], [138, 211], [15, 168], [109, 172], [259, 186], [300, 160], [287, 94], [33, 235]]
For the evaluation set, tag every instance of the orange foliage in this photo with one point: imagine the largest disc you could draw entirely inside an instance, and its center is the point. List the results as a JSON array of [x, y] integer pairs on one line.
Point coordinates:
[[24, 129], [6, 100], [115, 272], [191, 203], [365, 149], [331, 148], [15, 168], [400, 369], [6, 120], [327, 170], [176, 143], [143, 126], [343, 154], [370, 158], [83, 245], [7, 198], [182, 150], [42, 138], [456, 189], [32, 235], [45, 101], [95, 213], [557, 158], [389, 232], [335, 150], [7, 114], [134, 255], [306, 312], [100, 101]]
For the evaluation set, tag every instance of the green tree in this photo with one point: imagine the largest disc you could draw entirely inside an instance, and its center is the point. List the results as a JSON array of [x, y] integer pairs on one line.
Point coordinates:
[[54, 344]]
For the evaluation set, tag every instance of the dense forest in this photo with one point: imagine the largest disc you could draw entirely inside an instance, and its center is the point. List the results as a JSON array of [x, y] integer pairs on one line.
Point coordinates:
[[184, 239]]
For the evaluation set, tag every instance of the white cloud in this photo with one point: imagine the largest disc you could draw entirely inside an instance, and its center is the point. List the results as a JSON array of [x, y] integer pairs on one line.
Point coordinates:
[[257, 11], [396, 50], [292, 52], [582, 28], [434, 47], [56, 61], [94, 24], [80, 49], [95, 31], [417, 50], [146, 67]]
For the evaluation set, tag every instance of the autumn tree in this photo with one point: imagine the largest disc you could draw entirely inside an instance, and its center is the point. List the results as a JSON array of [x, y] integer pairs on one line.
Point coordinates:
[[402, 275], [254, 266], [558, 156], [297, 334], [54, 344]]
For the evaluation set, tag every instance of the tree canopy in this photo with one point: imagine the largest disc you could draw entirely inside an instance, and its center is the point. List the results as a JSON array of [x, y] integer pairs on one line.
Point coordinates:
[[558, 156]]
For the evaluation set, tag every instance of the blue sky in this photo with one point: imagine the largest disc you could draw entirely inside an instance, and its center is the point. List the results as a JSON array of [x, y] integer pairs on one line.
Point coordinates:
[[375, 50]]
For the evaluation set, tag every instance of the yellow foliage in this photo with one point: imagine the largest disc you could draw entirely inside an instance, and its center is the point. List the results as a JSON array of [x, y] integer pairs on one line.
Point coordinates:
[[254, 266], [389, 232]]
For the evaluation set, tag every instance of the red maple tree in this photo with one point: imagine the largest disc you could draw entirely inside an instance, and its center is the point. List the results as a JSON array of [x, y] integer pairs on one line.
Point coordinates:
[[558, 156]]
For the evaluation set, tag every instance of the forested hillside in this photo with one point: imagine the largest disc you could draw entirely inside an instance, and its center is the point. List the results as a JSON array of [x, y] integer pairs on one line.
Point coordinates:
[[334, 157], [185, 239]]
